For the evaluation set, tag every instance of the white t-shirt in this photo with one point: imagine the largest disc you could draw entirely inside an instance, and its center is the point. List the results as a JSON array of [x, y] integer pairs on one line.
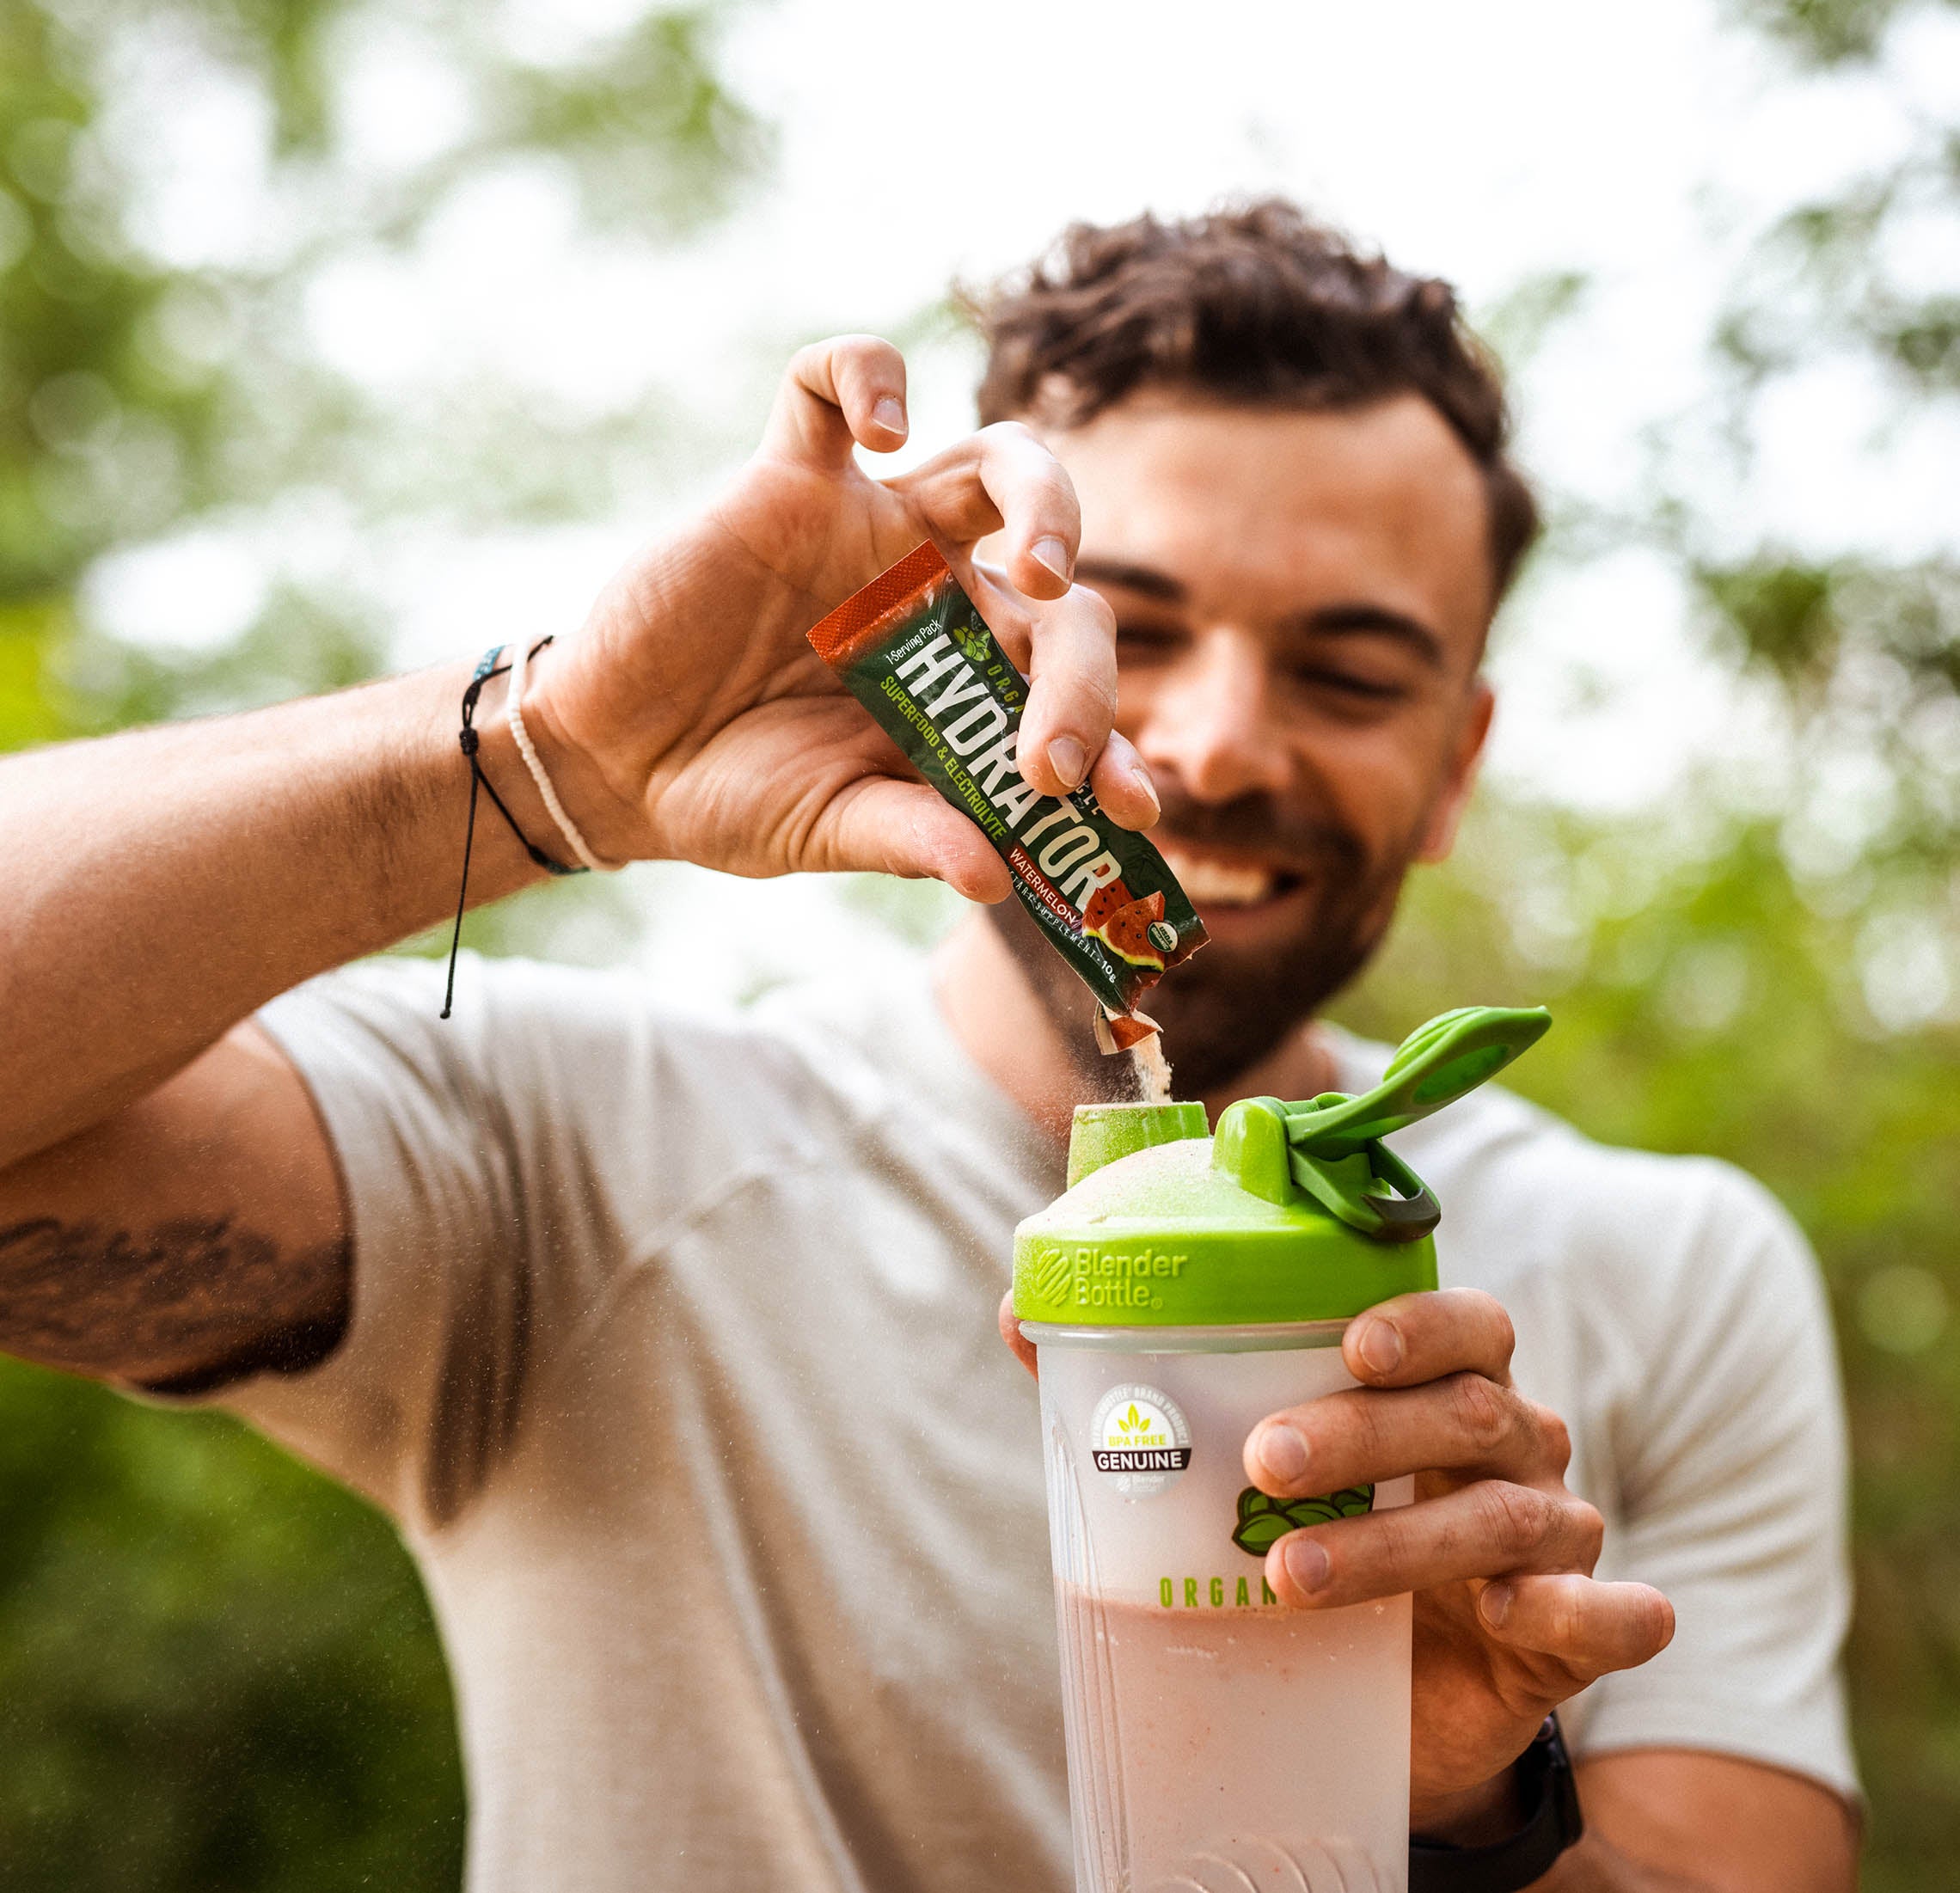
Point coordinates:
[[673, 1354]]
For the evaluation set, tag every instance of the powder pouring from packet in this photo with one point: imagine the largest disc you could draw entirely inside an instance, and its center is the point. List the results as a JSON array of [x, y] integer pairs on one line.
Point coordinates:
[[913, 648], [1153, 1069]]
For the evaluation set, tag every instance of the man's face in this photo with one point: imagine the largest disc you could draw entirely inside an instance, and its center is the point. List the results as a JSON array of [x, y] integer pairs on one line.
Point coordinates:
[[1301, 601]]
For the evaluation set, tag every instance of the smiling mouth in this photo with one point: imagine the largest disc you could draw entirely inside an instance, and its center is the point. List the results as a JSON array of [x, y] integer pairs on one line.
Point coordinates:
[[1213, 880]]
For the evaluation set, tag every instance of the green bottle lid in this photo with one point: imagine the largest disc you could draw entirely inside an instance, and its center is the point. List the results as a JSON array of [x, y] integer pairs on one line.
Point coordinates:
[[1292, 1212]]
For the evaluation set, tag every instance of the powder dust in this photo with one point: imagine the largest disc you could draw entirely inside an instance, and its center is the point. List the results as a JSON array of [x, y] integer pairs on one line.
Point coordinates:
[[1152, 1068]]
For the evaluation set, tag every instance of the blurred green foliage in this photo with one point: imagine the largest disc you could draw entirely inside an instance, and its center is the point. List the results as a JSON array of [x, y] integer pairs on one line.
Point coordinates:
[[1769, 968], [216, 1670], [1828, 32], [1707, 1000]]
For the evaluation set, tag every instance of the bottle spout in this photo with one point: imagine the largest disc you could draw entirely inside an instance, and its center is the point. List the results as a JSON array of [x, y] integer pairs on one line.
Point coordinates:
[[1101, 1133]]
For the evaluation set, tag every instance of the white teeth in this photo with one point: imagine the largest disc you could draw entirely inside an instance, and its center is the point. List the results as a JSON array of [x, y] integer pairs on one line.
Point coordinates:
[[1213, 883]]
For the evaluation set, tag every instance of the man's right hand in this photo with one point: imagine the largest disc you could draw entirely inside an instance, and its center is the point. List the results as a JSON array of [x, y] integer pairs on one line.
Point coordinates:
[[163, 883], [690, 720]]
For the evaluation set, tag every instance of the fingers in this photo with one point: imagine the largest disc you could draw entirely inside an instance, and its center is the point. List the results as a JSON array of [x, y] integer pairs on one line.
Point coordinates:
[[1071, 700], [1422, 1337], [850, 390], [1588, 1626], [1023, 1349], [1490, 1528], [836, 393], [1463, 1423], [1069, 643], [1003, 480], [1122, 782]]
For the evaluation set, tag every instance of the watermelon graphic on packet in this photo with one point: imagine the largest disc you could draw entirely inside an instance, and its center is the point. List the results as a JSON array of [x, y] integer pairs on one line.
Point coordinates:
[[1133, 929]]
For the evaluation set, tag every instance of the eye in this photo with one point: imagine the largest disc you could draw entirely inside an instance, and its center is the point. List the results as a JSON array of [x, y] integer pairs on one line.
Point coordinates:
[[1356, 687], [1147, 643]]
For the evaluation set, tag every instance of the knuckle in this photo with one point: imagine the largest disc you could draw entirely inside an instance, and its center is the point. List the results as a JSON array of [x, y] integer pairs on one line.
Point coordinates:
[[1514, 1517], [1009, 436], [1588, 1529], [1504, 1333], [1493, 1317], [1343, 1427], [1097, 695], [1392, 1555], [1566, 1624], [1481, 1412], [1556, 1435]]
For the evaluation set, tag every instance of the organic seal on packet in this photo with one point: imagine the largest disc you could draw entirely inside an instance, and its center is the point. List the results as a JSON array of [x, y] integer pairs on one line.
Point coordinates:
[[915, 651]]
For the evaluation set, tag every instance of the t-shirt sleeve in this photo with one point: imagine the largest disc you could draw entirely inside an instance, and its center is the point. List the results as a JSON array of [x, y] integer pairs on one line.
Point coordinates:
[[1732, 1495], [484, 1229]]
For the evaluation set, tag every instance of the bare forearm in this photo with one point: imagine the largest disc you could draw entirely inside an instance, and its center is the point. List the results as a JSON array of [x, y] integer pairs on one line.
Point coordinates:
[[161, 885], [1684, 1821]]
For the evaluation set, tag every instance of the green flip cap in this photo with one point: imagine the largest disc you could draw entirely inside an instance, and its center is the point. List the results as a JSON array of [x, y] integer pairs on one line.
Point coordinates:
[[1292, 1212]]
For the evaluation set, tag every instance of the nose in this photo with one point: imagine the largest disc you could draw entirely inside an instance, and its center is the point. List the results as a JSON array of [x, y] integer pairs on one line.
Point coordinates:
[[1209, 721]]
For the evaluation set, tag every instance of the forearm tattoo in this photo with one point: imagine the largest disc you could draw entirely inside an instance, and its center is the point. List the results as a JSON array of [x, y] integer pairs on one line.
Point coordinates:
[[180, 1308]]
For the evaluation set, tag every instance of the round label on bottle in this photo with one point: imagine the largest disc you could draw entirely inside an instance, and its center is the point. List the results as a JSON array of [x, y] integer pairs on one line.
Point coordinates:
[[1140, 1439]]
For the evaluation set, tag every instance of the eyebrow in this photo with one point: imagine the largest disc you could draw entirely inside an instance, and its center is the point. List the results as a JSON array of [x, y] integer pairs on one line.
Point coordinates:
[[1146, 580], [1355, 619]]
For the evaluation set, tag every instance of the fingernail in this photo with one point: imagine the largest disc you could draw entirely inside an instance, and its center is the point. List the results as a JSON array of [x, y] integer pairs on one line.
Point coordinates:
[[1283, 1454], [889, 414], [1051, 555], [1069, 759], [1382, 1346], [1494, 1604], [1145, 787], [1306, 1563]]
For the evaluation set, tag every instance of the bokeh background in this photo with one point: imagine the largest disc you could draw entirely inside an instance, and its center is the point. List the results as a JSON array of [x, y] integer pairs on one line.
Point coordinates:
[[339, 337]]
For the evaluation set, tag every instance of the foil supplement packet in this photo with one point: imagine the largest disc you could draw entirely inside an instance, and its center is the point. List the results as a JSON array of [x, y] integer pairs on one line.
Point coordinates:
[[915, 651]]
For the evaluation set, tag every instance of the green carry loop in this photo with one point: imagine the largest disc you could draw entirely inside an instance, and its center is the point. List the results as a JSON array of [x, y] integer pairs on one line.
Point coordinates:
[[1332, 1143], [1434, 1066]]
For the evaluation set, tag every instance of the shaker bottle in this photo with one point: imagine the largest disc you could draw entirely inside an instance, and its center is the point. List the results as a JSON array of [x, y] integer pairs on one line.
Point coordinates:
[[1183, 1289]]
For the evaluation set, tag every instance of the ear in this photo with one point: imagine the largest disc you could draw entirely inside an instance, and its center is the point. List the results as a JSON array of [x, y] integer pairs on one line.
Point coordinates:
[[1453, 797]]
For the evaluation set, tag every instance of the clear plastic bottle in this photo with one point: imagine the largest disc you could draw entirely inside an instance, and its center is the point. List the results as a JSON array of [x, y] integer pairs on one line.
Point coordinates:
[[1184, 1289]]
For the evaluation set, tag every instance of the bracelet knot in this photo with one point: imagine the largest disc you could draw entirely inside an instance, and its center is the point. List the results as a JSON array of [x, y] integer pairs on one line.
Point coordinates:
[[469, 741]]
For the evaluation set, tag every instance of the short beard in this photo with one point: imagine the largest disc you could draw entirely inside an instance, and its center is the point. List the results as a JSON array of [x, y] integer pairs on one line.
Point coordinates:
[[1220, 1015]]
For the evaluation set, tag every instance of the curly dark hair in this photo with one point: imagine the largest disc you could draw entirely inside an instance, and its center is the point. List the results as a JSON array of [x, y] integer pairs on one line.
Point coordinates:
[[1255, 305]]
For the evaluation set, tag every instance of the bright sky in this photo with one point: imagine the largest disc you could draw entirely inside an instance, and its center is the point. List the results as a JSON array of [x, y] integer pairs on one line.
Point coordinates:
[[1643, 146]]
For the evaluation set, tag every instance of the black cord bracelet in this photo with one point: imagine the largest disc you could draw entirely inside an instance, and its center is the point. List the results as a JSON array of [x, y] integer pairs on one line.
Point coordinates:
[[469, 741]]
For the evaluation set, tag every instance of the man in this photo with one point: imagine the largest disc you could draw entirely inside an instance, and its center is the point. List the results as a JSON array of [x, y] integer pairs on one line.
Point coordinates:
[[665, 1339]]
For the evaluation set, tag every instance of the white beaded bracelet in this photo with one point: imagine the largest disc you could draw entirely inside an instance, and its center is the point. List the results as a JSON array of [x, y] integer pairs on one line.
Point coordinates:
[[569, 829]]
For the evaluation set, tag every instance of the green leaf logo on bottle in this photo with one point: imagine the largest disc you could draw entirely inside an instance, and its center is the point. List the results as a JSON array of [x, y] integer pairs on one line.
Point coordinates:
[[1263, 1522]]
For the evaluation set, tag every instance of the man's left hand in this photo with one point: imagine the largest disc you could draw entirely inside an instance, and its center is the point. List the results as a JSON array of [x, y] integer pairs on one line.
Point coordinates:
[[1509, 1619]]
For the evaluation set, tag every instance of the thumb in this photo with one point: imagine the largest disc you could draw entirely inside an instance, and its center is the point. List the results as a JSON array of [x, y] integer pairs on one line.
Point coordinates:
[[882, 825]]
